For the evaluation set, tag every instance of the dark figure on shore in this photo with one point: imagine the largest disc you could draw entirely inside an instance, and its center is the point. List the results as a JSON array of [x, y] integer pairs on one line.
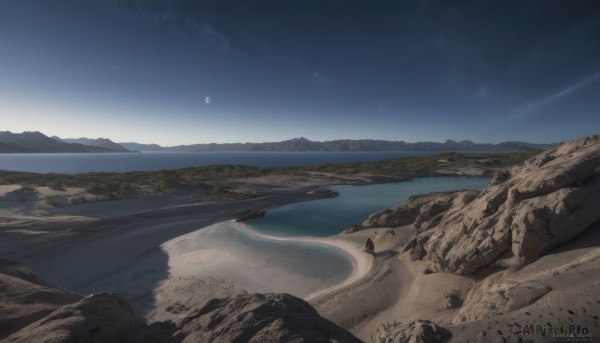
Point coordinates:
[[370, 247]]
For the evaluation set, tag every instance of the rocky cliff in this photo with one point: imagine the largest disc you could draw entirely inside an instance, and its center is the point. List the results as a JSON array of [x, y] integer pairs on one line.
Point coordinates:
[[525, 250], [24, 298], [422, 209], [524, 212]]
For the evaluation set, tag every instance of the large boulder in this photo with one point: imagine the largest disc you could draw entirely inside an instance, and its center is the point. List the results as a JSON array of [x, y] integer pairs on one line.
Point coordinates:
[[24, 298], [524, 212], [258, 318], [418, 331], [97, 318], [495, 297]]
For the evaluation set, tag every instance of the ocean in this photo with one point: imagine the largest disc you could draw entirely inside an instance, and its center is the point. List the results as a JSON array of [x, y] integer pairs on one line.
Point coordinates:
[[73, 163]]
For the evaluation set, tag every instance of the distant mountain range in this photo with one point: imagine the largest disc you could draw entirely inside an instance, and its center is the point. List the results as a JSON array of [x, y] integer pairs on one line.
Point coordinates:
[[98, 142], [142, 147], [30, 142], [38, 142], [303, 144]]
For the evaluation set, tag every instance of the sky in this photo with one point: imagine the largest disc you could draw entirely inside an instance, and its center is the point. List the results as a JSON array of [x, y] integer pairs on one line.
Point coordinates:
[[192, 71]]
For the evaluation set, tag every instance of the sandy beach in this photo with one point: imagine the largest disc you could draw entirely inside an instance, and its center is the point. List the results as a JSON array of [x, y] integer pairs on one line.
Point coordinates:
[[228, 258], [136, 247], [377, 288], [84, 250], [167, 254]]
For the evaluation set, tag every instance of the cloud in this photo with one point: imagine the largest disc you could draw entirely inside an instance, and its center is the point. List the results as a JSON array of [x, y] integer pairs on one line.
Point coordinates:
[[529, 109]]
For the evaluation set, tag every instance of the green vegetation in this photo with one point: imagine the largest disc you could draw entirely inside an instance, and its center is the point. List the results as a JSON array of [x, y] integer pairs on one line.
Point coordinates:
[[52, 202], [57, 186], [26, 189], [216, 180], [408, 166]]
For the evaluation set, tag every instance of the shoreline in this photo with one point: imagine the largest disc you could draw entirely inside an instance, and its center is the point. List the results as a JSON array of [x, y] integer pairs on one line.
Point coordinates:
[[66, 251], [75, 255], [230, 258], [362, 262], [358, 303]]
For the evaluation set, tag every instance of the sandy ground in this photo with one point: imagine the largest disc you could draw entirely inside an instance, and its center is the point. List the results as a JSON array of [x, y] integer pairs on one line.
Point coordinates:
[[82, 250], [115, 246], [230, 258], [396, 289], [359, 305], [119, 246]]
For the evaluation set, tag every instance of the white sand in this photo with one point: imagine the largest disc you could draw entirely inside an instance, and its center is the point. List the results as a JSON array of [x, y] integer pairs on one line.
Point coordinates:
[[228, 258], [362, 262]]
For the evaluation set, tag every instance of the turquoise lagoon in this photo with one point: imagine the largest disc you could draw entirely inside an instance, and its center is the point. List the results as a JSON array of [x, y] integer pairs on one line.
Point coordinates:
[[251, 258], [327, 217]]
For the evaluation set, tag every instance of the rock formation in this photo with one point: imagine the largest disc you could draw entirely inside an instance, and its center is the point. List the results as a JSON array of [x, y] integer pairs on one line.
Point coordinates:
[[31, 312], [258, 318], [524, 249], [386, 239], [418, 331], [494, 297], [98, 318], [407, 212], [524, 212], [369, 246], [24, 298], [252, 214]]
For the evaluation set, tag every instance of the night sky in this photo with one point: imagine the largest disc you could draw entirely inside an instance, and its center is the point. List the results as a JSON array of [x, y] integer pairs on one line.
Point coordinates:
[[181, 71]]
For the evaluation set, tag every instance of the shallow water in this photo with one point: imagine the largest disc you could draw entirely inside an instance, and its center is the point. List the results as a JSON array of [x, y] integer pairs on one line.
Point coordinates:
[[230, 251], [327, 217], [233, 251]]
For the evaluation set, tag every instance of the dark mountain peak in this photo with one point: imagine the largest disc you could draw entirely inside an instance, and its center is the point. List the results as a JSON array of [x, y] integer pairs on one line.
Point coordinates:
[[97, 142], [38, 142], [35, 141], [301, 139], [33, 134]]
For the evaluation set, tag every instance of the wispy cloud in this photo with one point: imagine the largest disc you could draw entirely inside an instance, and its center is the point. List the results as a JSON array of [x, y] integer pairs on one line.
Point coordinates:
[[529, 109]]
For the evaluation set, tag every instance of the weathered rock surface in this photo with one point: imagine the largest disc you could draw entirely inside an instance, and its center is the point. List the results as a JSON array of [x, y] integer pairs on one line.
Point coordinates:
[[24, 298], [431, 212], [110, 318], [245, 318], [495, 297], [388, 239], [524, 212], [419, 331], [407, 212], [97, 318], [258, 318]]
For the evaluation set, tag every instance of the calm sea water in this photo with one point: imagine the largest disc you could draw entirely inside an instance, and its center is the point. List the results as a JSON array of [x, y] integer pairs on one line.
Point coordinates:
[[327, 217], [73, 163]]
